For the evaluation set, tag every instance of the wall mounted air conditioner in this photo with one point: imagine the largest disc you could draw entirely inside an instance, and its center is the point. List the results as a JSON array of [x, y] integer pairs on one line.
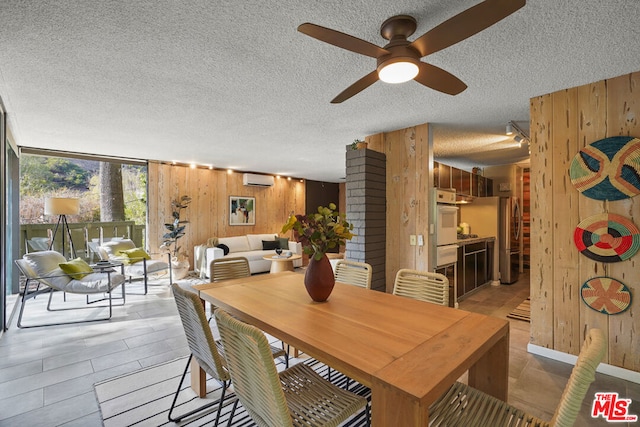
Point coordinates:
[[252, 179]]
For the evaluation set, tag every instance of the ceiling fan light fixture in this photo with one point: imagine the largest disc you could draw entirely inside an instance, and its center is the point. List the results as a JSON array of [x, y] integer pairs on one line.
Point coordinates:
[[398, 70]]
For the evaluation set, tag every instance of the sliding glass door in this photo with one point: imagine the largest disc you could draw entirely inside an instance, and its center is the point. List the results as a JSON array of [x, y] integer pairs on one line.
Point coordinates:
[[9, 228]]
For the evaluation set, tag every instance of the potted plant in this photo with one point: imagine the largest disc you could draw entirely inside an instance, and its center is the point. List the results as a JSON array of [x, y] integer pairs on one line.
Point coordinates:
[[318, 233], [358, 144], [175, 230]]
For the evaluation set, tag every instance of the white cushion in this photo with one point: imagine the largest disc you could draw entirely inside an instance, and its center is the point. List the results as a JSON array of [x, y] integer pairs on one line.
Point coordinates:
[[46, 265], [255, 240], [137, 269], [57, 279], [113, 247], [236, 244], [94, 283], [44, 262]]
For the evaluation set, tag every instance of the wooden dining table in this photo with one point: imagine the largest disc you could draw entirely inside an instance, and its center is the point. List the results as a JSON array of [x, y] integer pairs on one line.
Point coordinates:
[[408, 352]]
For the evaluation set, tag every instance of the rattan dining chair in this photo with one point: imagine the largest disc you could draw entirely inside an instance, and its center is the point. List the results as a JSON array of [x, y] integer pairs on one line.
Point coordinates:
[[423, 286], [207, 351], [203, 348], [236, 268], [297, 396], [229, 268], [465, 406], [353, 273]]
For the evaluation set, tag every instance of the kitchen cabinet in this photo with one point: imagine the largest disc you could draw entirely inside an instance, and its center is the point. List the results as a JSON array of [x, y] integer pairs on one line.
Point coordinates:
[[442, 175], [465, 183], [478, 185], [474, 261], [463, 179], [450, 272]]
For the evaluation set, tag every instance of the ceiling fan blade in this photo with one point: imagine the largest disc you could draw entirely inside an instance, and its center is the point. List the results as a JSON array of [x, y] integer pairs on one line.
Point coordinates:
[[357, 87], [438, 79], [465, 24], [345, 41]]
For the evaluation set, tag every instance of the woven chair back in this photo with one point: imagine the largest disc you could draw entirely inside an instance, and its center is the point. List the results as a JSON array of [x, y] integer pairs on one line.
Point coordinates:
[[253, 371], [353, 273], [423, 286], [582, 375], [229, 268], [199, 335]]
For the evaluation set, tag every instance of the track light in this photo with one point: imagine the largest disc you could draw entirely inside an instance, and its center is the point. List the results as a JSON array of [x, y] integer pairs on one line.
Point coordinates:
[[521, 136]]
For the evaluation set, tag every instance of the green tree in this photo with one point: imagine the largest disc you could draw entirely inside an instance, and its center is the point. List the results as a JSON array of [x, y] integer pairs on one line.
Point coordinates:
[[134, 182], [111, 192], [45, 175]]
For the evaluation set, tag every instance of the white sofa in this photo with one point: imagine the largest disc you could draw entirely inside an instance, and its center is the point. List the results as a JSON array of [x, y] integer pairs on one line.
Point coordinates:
[[249, 246]]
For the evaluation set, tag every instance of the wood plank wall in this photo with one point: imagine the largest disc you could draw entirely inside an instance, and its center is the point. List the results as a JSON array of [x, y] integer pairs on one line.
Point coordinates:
[[208, 214], [562, 123], [526, 219], [407, 152]]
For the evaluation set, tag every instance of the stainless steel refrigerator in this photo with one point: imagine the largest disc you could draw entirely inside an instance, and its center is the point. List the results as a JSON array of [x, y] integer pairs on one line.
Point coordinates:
[[509, 239]]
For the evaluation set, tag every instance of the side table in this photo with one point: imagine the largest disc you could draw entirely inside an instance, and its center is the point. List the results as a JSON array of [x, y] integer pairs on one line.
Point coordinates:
[[281, 263]]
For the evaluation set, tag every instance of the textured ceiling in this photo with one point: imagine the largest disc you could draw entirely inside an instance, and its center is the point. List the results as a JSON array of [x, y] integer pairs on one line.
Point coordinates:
[[234, 85]]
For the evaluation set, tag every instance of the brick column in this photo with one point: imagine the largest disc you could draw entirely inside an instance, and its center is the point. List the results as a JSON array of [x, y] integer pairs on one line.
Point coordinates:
[[366, 210]]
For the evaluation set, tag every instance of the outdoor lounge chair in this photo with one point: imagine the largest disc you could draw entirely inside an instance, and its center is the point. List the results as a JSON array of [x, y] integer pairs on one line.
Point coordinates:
[[44, 268], [137, 263]]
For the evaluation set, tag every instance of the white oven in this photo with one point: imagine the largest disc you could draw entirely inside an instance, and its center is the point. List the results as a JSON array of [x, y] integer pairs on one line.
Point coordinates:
[[447, 254], [447, 224], [446, 228]]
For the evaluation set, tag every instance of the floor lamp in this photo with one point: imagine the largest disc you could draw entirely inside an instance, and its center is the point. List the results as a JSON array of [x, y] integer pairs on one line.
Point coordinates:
[[62, 207]]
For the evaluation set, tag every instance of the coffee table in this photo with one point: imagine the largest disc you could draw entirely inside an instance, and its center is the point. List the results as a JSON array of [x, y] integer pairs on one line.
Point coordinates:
[[280, 263]]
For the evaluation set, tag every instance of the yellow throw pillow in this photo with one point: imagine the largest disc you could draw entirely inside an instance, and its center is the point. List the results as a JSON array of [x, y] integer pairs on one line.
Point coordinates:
[[77, 268], [134, 255]]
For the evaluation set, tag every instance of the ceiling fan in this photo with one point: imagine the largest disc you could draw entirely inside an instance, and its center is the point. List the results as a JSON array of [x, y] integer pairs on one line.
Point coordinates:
[[399, 60]]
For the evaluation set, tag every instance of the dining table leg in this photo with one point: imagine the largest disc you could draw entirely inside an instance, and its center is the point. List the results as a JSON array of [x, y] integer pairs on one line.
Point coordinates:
[[395, 406], [198, 379], [491, 372], [198, 375]]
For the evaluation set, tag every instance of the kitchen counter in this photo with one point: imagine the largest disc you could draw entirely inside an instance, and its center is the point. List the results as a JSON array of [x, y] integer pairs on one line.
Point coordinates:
[[463, 242]]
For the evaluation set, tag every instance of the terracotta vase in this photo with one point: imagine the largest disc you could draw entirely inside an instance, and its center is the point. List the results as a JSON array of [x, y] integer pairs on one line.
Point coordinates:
[[319, 280]]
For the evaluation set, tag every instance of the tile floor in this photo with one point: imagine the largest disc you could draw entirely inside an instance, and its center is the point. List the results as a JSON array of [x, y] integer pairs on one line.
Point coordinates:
[[47, 374]]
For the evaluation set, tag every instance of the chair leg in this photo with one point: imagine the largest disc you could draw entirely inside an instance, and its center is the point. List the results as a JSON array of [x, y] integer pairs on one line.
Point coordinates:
[[233, 411], [367, 414], [145, 276], [26, 295], [286, 354], [220, 402]]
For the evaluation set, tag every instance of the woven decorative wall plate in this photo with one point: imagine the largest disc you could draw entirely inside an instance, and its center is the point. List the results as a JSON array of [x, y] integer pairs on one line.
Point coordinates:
[[608, 169], [606, 295], [607, 237]]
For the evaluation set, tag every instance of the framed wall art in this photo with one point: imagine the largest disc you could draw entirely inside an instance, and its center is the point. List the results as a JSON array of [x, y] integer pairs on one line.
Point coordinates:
[[242, 210]]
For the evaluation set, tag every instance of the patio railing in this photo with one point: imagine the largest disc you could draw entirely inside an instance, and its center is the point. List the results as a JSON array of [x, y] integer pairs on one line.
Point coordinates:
[[85, 236]]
